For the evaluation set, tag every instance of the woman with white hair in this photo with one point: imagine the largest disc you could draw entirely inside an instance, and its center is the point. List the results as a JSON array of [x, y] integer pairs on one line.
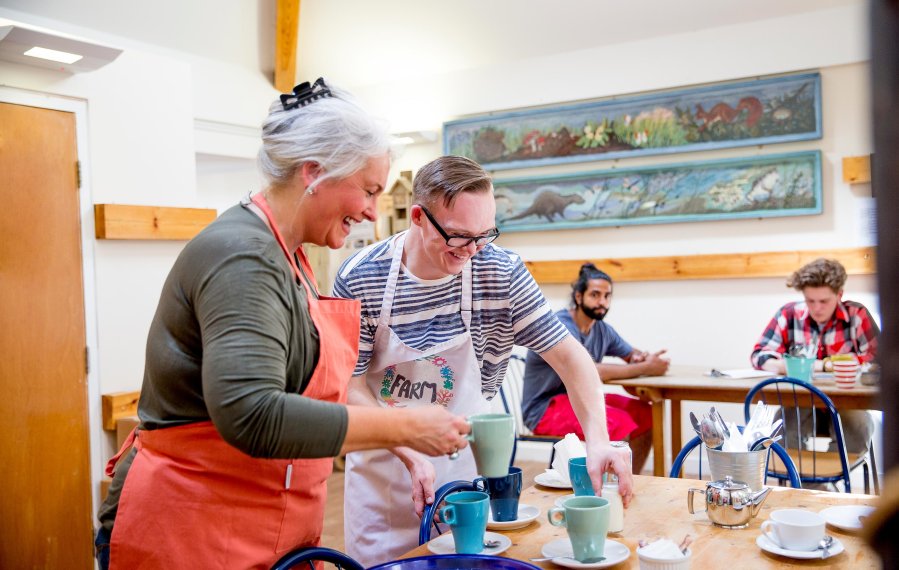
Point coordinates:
[[243, 398]]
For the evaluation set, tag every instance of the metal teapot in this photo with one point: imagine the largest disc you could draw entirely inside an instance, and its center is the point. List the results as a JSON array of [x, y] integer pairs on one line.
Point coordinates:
[[729, 503]]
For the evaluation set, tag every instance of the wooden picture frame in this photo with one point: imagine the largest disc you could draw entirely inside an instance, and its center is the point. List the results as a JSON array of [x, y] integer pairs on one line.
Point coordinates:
[[743, 113], [751, 187]]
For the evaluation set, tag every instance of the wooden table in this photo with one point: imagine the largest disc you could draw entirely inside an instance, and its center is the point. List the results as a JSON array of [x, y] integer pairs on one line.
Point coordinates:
[[660, 510], [690, 383]]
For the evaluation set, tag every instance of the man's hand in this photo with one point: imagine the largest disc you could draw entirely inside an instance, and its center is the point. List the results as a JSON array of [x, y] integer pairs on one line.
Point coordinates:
[[423, 477], [775, 365], [655, 365], [602, 458]]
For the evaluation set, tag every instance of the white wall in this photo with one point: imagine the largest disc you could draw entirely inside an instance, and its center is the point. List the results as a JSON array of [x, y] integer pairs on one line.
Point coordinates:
[[143, 137]]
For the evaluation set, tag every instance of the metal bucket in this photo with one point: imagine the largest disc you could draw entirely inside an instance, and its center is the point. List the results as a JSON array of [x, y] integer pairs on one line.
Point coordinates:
[[745, 466]]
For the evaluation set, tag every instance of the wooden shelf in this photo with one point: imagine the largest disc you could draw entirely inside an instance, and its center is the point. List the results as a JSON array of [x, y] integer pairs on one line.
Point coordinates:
[[858, 261], [117, 406], [857, 169], [116, 221]]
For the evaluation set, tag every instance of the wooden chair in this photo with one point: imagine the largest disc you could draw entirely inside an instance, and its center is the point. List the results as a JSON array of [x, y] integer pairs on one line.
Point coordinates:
[[511, 393], [813, 466]]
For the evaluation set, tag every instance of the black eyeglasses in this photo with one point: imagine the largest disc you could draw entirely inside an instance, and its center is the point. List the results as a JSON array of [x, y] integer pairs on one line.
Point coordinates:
[[462, 241]]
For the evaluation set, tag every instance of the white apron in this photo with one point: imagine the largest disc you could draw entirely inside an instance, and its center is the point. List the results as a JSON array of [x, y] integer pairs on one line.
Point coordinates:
[[380, 523]]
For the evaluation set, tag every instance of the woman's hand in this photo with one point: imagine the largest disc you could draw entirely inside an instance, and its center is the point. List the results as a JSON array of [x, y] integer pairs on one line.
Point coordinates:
[[434, 431]]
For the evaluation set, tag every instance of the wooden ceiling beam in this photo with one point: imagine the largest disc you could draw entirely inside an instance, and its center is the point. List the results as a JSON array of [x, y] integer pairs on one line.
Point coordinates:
[[288, 26]]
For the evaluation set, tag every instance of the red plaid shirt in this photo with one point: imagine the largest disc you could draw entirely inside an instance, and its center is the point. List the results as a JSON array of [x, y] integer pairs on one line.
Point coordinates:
[[850, 329]]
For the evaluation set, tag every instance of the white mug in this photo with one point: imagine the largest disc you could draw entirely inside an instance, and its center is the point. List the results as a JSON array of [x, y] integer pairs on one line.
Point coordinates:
[[794, 529]]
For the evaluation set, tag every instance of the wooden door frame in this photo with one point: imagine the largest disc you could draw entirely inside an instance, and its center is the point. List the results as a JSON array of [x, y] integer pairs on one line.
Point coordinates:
[[86, 213]]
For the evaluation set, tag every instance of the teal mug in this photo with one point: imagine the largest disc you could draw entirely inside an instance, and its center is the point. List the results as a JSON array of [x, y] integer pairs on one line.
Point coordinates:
[[587, 522], [799, 368], [580, 479], [492, 438], [466, 514]]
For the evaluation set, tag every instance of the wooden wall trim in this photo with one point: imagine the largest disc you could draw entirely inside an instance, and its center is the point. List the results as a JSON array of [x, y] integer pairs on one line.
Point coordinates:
[[118, 405], [117, 221], [858, 261], [286, 32]]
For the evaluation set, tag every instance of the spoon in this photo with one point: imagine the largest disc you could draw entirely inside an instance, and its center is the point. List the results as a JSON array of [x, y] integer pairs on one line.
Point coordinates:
[[491, 543], [710, 434], [549, 558], [695, 421], [763, 443], [824, 545]]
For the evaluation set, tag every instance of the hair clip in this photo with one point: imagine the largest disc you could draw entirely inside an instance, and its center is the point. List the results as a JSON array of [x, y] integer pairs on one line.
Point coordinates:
[[303, 94]]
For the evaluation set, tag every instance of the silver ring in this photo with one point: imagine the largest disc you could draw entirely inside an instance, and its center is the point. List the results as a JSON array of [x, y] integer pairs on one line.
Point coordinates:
[[454, 454]]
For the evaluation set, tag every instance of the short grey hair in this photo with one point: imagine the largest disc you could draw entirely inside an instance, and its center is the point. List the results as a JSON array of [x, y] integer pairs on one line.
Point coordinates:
[[334, 132], [446, 177]]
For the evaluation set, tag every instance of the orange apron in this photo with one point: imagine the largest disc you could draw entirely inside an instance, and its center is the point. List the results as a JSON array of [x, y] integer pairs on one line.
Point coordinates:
[[191, 500]]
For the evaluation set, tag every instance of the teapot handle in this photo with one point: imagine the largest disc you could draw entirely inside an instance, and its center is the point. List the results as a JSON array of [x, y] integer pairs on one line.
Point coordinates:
[[690, 498]]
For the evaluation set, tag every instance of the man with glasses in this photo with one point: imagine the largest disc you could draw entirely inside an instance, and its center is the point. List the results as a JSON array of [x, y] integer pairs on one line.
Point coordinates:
[[441, 309]]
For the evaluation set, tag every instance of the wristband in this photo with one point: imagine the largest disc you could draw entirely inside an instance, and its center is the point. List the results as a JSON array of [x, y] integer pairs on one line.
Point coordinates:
[[824, 364]]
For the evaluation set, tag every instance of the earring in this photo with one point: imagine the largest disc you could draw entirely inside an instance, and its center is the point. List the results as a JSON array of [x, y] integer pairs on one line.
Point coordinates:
[[310, 191]]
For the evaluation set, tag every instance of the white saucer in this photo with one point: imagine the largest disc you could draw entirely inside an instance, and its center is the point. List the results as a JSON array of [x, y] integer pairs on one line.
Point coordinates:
[[526, 515], [444, 544], [559, 502], [765, 544], [549, 481], [845, 517], [562, 553]]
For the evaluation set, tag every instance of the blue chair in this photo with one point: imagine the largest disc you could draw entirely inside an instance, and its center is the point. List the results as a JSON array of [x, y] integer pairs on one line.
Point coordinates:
[[310, 554], [793, 395], [455, 562], [791, 473], [427, 517], [510, 392]]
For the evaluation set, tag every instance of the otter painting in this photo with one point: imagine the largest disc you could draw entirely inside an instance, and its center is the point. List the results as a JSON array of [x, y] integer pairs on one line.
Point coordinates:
[[549, 204]]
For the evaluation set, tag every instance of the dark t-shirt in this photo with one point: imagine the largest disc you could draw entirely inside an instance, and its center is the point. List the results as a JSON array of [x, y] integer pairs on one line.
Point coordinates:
[[232, 341], [541, 382]]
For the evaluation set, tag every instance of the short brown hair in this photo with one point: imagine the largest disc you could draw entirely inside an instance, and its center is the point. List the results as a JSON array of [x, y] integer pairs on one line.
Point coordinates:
[[447, 177], [819, 273]]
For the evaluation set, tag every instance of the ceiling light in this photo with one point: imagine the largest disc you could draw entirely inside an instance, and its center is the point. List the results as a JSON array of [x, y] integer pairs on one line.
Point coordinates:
[[54, 55], [46, 49]]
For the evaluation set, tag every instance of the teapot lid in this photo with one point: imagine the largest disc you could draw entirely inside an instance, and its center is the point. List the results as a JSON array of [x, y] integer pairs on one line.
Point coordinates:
[[728, 484]]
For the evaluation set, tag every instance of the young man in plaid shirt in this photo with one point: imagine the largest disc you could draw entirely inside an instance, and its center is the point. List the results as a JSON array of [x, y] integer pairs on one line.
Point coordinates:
[[835, 326]]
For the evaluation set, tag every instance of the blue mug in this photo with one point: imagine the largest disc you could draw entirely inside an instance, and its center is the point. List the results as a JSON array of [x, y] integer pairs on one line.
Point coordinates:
[[466, 514], [504, 493]]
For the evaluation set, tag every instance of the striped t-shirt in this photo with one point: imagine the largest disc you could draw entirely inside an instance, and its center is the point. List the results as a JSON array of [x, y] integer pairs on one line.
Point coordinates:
[[507, 308]]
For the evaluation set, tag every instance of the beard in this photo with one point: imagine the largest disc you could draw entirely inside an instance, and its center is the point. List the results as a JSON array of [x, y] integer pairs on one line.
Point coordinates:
[[596, 314]]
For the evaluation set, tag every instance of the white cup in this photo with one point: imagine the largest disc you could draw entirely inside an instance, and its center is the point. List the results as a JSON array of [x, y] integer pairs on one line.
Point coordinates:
[[794, 529]]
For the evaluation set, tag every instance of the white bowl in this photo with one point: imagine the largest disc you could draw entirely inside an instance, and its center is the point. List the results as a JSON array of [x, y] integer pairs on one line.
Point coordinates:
[[652, 563]]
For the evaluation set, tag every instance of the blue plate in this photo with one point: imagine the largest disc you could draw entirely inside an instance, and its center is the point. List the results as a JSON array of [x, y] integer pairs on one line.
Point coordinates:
[[448, 561]]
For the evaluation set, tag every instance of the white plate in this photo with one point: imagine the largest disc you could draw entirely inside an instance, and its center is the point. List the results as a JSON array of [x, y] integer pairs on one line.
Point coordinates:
[[562, 553], [559, 502], [765, 544], [845, 517], [444, 544], [548, 481], [526, 515]]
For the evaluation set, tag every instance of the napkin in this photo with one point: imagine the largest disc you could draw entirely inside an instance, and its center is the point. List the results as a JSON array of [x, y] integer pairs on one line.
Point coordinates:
[[566, 448], [663, 549]]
